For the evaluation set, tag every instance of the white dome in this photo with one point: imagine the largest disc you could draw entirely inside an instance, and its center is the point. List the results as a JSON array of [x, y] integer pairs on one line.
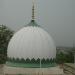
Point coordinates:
[[31, 42]]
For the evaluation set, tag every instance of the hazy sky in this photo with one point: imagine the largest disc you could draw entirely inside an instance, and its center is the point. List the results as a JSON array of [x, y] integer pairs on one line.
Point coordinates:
[[55, 16]]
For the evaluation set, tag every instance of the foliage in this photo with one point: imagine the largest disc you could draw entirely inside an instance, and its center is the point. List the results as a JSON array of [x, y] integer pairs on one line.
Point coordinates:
[[2, 59], [65, 58], [60, 58], [5, 35], [70, 57]]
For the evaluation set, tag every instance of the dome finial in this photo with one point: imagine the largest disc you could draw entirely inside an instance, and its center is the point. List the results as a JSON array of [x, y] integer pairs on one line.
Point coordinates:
[[33, 8]]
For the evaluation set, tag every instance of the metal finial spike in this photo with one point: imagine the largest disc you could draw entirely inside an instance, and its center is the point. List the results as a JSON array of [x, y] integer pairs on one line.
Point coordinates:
[[33, 8]]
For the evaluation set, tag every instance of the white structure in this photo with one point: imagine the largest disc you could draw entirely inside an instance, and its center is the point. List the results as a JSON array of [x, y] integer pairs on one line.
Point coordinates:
[[31, 42]]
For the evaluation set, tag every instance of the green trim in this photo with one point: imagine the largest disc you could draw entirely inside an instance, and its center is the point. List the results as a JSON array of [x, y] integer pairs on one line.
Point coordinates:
[[30, 65], [16, 62], [33, 23], [33, 60]]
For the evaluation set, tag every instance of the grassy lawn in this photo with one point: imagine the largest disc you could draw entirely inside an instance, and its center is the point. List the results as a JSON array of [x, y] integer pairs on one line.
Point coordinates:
[[30, 65]]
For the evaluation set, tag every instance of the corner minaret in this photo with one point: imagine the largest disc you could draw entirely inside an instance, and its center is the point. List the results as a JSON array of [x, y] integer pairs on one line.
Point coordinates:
[[33, 10]]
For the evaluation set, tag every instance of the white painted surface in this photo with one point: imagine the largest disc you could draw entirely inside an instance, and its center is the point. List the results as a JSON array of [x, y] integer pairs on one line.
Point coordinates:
[[31, 42]]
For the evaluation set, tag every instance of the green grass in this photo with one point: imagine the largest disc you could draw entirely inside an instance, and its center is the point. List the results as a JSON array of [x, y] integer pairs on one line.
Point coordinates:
[[30, 65]]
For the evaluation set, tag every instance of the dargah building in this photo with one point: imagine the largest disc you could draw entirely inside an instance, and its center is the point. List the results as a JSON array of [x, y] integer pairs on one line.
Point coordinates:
[[33, 45], [31, 51]]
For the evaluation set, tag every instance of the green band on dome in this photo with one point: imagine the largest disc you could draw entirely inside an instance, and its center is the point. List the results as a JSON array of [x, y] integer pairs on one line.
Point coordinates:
[[16, 62], [33, 60], [30, 65]]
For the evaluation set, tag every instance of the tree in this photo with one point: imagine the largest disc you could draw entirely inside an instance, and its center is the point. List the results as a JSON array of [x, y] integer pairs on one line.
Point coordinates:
[[2, 59], [5, 35], [60, 58], [65, 57], [70, 57]]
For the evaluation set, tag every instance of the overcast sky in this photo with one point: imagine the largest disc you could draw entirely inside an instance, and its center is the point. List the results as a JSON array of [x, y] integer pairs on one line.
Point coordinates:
[[56, 16]]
